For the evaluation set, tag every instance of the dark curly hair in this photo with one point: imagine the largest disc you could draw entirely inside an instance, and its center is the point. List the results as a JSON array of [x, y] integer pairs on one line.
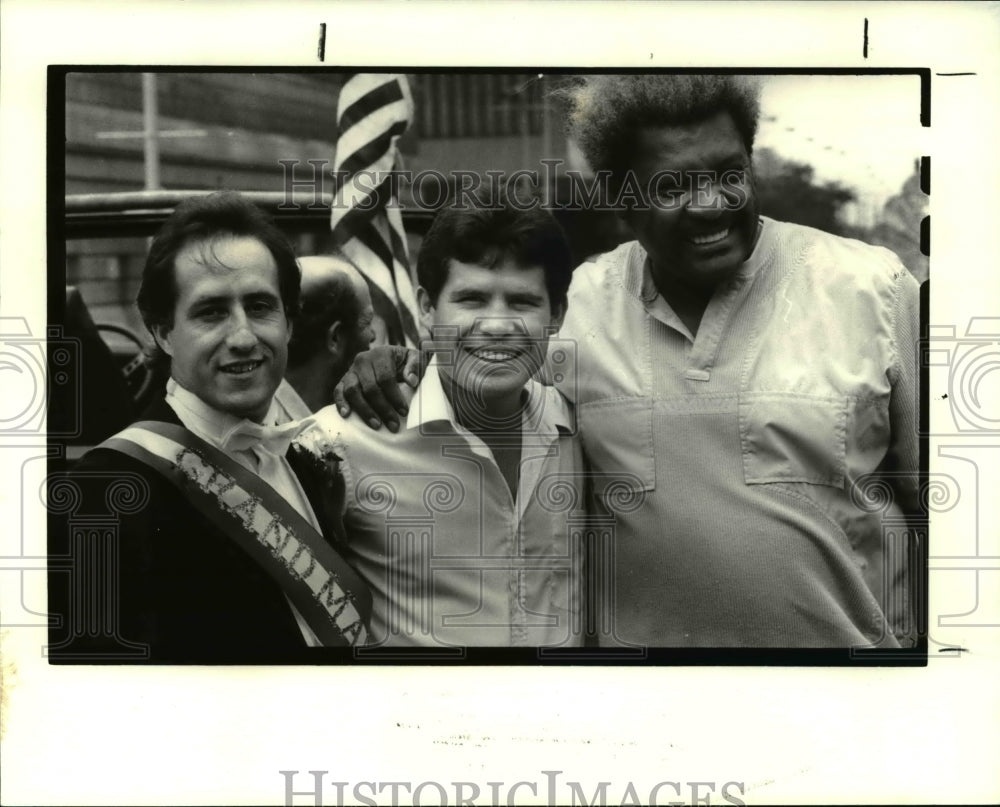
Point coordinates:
[[607, 111], [199, 218]]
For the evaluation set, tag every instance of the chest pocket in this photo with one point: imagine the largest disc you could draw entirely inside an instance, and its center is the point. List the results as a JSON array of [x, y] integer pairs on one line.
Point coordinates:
[[618, 440], [789, 437]]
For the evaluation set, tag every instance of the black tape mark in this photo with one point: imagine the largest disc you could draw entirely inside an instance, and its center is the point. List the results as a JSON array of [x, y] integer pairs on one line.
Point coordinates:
[[925, 175], [955, 74], [944, 396], [925, 236], [321, 50], [925, 97], [864, 50]]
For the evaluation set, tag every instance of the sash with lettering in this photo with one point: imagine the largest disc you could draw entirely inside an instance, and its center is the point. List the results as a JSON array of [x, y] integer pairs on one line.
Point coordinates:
[[327, 592]]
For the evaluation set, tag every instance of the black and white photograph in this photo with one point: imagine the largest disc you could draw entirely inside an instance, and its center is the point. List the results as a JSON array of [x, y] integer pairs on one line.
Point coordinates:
[[574, 471], [540, 403]]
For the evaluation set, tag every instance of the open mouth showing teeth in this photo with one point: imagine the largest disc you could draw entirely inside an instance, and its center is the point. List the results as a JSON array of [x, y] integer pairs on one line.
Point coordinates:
[[495, 354], [711, 238], [241, 368]]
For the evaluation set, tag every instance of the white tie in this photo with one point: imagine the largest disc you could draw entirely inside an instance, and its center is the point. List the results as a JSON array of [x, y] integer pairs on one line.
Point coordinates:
[[247, 435]]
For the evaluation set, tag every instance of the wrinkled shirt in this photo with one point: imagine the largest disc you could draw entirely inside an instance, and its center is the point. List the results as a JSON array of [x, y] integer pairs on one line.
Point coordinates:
[[737, 468], [451, 557]]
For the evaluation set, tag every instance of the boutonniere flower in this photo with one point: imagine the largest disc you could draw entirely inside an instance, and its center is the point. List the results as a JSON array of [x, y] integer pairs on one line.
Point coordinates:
[[316, 451]]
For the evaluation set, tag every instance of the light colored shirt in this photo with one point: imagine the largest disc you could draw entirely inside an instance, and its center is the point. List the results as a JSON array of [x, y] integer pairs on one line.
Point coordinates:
[[451, 557], [217, 428], [740, 454], [288, 404]]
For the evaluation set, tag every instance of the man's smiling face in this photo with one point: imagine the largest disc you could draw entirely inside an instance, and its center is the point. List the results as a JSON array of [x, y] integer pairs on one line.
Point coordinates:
[[495, 324], [703, 224], [228, 343]]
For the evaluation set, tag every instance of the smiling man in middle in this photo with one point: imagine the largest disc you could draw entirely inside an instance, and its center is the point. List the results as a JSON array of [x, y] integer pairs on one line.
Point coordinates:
[[466, 523]]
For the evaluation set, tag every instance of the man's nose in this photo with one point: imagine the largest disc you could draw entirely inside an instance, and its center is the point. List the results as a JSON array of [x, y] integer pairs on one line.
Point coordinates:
[[501, 321], [706, 198], [240, 335]]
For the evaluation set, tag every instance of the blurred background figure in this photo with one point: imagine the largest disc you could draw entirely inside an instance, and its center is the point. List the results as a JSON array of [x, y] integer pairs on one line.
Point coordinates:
[[332, 327], [386, 324]]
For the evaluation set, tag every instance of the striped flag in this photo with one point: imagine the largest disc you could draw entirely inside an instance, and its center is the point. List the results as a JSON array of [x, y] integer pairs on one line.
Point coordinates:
[[373, 110]]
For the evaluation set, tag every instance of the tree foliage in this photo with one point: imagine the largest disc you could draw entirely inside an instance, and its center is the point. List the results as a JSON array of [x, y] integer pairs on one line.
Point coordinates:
[[898, 226], [788, 191]]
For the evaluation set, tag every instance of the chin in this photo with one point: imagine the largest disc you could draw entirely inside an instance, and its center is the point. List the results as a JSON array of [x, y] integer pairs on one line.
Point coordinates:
[[721, 267], [487, 387], [500, 390], [252, 409]]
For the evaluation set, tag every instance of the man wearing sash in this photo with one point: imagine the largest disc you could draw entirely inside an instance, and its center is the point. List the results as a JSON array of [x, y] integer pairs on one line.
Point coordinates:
[[230, 550]]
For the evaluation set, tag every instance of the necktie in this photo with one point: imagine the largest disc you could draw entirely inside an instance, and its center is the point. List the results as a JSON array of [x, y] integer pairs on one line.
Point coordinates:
[[267, 445], [247, 435]]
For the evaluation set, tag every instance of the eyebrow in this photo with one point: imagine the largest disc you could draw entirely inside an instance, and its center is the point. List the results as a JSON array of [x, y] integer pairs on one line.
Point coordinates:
[[512, 294], [533, 296], [216, 299], [223, 299], [712, 160], [460, 290], [261, 295]]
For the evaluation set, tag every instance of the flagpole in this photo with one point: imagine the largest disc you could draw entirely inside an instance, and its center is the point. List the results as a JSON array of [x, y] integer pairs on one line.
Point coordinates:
[[150, 124]]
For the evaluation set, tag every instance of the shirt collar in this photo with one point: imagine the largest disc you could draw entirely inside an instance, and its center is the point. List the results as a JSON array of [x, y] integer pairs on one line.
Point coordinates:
[[429, 403], [288, 404], [546, 412], [218, 428]]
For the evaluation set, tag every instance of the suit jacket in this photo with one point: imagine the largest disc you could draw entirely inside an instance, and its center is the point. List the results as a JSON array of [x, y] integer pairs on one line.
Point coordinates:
[[175, 589]]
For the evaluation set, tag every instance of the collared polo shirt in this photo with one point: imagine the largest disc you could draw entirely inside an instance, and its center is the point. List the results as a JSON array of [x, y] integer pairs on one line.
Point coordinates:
[[744, 465], [451, 557]]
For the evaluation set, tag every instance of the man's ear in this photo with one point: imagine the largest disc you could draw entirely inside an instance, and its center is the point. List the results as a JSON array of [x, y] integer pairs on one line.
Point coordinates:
[[426, 308], [558, 314], [161, 335], [336, 340]]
